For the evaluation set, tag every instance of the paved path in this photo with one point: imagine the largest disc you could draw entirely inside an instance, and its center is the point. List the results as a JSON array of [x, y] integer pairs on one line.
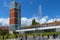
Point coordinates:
[[14, 39], [37, 38]]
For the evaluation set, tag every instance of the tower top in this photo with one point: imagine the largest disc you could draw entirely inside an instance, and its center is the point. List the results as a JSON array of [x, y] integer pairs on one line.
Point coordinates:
[[13, 1], [14, 4]]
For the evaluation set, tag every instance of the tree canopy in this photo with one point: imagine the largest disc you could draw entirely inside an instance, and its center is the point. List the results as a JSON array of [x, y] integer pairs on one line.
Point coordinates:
[[3, 33], [34, 22]]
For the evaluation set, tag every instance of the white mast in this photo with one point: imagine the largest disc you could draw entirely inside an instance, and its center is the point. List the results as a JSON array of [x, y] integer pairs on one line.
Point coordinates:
[[40, 12]]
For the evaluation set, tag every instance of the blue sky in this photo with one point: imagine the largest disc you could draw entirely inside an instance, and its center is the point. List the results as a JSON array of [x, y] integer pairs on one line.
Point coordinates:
[[30, 8], [50, 10]]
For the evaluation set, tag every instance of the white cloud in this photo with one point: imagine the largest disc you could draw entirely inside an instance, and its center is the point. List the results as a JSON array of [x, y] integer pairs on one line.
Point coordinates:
[[27, 21], [58, 19], [4, 21], [52, 20], [44, 19]]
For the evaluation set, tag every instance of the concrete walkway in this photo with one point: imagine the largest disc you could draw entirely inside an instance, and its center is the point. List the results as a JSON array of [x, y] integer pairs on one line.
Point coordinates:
[[14, 39], [32, 39], [36, 38]]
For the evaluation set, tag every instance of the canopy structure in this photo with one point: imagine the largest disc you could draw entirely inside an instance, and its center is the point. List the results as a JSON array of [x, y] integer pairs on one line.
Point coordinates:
[[42, 28]]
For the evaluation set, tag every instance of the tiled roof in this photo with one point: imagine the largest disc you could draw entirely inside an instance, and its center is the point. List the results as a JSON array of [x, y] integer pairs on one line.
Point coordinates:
[[45, 24], [4, 28]]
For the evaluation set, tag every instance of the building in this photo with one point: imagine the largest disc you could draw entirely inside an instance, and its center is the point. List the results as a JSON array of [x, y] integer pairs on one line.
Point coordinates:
[[45, 25], [4, 28], [55, 23], [15, 16]]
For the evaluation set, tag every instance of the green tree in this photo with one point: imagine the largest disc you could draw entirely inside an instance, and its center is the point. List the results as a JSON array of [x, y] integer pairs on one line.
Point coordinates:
[[15, 33], [3, 33], [34, 22], [0, 31]]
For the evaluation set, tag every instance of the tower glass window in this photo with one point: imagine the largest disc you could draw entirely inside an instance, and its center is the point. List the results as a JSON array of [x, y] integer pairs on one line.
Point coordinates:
[[15, 15]]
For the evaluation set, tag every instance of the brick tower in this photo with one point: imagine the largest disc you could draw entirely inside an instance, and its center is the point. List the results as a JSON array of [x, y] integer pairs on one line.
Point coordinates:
[[15, 15]]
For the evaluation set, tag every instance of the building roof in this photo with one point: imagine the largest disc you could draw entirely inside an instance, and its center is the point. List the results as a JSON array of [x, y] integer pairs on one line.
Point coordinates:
[[4, 28], [55, 23], [31, 26]]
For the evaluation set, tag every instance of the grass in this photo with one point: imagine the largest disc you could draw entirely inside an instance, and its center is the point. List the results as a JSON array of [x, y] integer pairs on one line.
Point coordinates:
[[44, 33], [10, 37], [2, 38], [36, 34]]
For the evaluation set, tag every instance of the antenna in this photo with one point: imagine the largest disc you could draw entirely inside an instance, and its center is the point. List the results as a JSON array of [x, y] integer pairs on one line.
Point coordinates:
[[40, 12]]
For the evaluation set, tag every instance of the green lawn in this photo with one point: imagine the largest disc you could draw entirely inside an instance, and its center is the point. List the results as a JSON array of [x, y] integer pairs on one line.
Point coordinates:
[[36, 34], [2, 38], [10, 36], [43, 33]]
